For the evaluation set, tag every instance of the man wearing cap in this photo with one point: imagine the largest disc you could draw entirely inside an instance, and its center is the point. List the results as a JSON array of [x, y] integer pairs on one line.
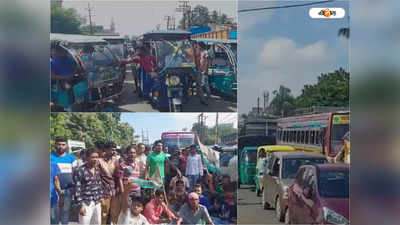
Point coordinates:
[[194, 213]]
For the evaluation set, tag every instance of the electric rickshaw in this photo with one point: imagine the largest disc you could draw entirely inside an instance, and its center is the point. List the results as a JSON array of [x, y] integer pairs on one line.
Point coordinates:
[[96, 79], [222, 69], [175, 67]]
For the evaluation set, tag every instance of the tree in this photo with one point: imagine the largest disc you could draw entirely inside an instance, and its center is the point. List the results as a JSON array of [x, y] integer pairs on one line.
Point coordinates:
[[65, 20], [332, 89], [214, 18], [90, 128], [283, 102], [345, 32], [199, 16]]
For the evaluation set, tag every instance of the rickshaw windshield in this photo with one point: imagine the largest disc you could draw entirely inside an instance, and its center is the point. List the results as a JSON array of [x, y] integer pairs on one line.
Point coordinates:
[[174, 54], [117, 49], [99, 62]]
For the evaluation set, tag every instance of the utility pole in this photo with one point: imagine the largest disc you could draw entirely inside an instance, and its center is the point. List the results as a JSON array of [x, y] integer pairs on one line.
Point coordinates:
[[168, 19], [89, 9], [258, 106], [173, 23], [184, 7], [216, 129]]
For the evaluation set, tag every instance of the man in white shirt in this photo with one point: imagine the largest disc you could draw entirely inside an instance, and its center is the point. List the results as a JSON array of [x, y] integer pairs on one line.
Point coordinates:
[[194, 167], [141, 158]]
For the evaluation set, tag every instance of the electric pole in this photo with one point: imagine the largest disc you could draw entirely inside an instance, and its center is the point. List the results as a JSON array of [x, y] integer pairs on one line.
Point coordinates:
[[168, 19], [89, 9], [184, 7], [258, 106]]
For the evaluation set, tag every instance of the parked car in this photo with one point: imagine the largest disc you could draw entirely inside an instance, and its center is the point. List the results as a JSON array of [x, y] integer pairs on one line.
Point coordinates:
[[319, 195], [280, 173]]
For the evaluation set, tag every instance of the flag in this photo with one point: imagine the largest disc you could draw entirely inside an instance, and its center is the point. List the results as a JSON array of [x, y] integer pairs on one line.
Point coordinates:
[[210, 157]]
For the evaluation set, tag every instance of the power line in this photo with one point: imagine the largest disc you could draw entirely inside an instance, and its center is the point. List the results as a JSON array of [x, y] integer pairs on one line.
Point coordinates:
[[284, 6]]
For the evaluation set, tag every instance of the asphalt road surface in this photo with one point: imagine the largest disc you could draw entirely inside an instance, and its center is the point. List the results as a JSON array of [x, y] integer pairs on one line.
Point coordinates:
[[250, 210], [130, 102]]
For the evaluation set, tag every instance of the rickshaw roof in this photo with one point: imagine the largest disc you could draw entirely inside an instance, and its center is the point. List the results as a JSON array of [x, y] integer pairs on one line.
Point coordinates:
[[111, 37], [173, 35], [276, 148], [211, 41], [76, 38]]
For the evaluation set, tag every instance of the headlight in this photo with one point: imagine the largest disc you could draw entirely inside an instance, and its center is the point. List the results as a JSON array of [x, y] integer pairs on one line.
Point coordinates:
[[174, 80], [285, 192], [333, 217]]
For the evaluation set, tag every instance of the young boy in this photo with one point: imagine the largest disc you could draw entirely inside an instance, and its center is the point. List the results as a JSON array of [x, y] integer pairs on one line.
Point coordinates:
[[131, 214]]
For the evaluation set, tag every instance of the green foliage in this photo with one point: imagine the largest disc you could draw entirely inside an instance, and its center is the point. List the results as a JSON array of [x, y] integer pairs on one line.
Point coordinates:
[[283, 102], [210, 132], [65, 20], [200, 16], [90, 128], [332, 89]]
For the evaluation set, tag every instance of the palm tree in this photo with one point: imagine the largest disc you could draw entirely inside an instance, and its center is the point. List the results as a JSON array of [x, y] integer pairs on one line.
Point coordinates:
[[345, 32]]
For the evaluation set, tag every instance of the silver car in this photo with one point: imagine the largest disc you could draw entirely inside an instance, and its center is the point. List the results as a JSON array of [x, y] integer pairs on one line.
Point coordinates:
[[281, 170]]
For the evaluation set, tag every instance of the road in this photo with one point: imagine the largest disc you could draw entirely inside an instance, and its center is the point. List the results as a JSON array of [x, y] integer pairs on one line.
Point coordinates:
[[130, 102], [250, 210]]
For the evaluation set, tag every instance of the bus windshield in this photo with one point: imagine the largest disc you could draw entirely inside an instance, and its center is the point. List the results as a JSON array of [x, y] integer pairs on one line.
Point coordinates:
[[178, 142], [338, 133]]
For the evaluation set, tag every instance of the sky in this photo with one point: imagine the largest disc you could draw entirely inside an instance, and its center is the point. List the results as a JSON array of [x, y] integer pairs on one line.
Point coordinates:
[[286, 47], [134, 17], [157, 123]]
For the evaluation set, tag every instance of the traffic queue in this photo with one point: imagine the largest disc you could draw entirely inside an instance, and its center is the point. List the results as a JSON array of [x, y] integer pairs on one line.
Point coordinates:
[[302, 172]]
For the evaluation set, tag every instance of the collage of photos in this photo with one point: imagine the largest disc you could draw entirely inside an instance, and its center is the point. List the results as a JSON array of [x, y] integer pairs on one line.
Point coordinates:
[[151, 124]]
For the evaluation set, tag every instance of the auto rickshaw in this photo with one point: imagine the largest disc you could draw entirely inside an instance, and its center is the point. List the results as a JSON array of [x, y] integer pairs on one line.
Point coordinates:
[[174, 55], [247, 166], [222, 70], [97, 77]]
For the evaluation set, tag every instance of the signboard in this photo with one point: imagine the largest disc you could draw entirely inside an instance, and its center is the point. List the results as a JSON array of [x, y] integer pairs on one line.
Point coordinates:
[[341, 119], [73, 145], [177, 135]]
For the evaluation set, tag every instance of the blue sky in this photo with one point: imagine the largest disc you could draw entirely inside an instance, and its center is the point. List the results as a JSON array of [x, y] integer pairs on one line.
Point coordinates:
[[135, 17], [286, 47], [156, 123]]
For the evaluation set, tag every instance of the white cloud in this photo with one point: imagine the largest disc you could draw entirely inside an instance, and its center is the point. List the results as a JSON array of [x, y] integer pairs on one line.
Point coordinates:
[[284, 52]]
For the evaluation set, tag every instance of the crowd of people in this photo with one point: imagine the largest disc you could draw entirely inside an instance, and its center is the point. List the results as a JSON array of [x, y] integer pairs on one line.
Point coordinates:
[[138, 185]]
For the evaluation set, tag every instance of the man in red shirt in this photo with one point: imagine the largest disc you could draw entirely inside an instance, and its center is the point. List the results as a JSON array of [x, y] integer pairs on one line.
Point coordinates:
[[156, 207]]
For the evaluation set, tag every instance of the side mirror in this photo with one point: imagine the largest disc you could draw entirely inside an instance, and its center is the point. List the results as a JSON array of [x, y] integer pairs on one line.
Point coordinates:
[[307, 192]]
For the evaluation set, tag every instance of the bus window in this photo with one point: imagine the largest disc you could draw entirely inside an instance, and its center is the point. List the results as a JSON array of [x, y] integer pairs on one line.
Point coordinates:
[[302, 137], [312, 137], [298, 136], [292, 136], [306, 140]]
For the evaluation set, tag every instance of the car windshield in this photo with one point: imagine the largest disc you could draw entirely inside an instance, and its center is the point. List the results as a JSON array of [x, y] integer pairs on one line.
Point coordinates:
[[291, 165], [174, 54], [334, 184]]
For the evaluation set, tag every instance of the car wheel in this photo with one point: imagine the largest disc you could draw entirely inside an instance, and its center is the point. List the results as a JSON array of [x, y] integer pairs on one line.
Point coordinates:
[[264, 203], [278, 210], [287, 216]]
